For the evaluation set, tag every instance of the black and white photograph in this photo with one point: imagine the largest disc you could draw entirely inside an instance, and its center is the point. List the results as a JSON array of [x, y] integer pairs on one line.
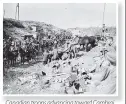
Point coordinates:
[[60, 49]]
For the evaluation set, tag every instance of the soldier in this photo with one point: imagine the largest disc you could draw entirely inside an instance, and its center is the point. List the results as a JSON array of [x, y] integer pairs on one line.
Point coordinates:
[[9, 41], [55, 43], [55, 54], [45, 57], [4, 43], [68, 43]]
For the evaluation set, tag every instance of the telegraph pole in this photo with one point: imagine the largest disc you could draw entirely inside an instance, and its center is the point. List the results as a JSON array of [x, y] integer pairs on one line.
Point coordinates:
[[4, 14], [104, 13], [17, 11], [103, 24]]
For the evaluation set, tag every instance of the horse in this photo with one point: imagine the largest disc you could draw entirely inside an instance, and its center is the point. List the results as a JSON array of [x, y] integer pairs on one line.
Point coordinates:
[[22, 51], [86, 40], [12, 54]]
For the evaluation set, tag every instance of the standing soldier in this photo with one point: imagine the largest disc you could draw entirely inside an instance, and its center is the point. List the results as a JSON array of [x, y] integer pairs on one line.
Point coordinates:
[[26, 42], [55, 54], [68, 44], [45, 57], [55, 43], [9, 41]]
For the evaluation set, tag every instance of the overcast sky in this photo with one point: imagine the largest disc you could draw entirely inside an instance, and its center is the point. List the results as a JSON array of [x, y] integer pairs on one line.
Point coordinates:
[[65, 15]]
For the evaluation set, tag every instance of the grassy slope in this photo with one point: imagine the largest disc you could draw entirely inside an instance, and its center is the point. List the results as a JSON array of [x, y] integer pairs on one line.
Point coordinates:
[[92, 30], [16, 29]]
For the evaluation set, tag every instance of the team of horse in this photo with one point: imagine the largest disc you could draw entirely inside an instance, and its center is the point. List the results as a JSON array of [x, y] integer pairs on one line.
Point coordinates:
[[88, 42], [12, 53]]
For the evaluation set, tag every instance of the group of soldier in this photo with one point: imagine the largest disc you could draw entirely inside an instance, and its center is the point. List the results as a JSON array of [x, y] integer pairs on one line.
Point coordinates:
[[15, 50], [30, 48]]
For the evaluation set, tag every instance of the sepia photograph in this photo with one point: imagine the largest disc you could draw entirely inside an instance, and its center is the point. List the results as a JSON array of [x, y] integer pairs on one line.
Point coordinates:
[[60, 48]]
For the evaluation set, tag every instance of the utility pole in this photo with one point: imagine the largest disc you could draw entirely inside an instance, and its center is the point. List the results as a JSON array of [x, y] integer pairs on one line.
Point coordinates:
[[103, 24], [104, 13], [4, 14], [17, 11]]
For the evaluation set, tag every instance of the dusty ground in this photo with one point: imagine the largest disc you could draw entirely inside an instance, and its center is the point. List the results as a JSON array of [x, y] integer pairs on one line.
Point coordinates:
[[28, 79]]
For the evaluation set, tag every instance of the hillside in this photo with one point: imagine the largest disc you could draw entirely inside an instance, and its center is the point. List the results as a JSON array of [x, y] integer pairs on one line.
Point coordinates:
[[91, 31], [16, 29]]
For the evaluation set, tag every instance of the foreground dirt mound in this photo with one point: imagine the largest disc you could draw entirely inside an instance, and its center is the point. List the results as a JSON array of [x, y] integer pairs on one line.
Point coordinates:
[[57, 77]]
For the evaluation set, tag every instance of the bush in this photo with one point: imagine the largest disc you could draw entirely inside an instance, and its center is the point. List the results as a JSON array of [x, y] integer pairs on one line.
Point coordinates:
[[12, 23]]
